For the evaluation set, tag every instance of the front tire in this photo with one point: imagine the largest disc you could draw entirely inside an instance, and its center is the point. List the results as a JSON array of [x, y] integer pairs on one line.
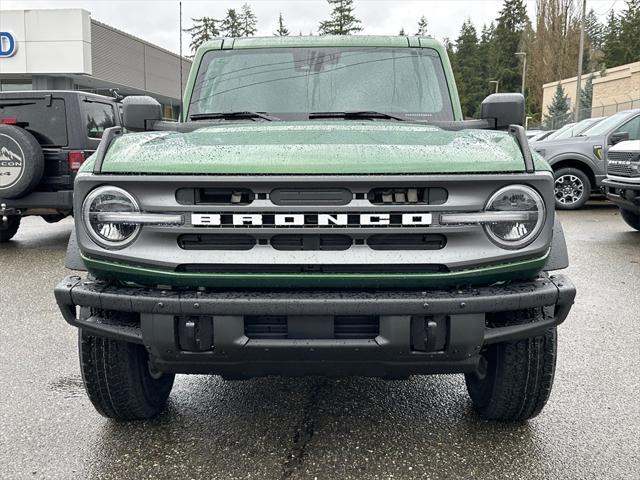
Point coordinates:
[[119, 381], [8, 230], [572, 188], [632, 219], [514, 379]]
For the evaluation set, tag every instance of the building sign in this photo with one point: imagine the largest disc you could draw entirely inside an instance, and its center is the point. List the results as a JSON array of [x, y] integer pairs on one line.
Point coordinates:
[[7, 45]]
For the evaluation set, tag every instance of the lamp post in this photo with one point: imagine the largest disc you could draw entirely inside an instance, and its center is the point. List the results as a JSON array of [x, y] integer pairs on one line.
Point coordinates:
[[580, 55], [497, 82], [524, 68]]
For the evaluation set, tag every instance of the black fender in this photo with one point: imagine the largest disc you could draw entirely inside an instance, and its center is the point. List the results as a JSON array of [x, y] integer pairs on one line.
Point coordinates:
[[73, 259], [558, 256]]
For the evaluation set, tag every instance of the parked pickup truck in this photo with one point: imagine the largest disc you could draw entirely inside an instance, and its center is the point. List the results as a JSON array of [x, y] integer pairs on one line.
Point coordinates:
[[622, 185], [45, 136], [321, 209], [579, 162]]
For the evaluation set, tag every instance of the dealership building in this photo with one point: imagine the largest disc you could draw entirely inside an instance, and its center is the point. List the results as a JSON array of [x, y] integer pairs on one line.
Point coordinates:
[[66, 49]]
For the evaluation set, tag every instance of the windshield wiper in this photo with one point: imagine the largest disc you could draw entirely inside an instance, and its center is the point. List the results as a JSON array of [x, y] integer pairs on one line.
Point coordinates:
[[356, 115], [232, 116]]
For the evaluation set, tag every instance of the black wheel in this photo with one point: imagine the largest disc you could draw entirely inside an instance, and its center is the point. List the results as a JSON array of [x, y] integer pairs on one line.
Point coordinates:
[[572, 188], [119, 380], [21, 162], [632, 219], [10, 228], [514, 379]]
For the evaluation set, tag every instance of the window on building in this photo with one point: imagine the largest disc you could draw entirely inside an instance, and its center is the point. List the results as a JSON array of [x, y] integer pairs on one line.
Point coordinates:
[[15, 85], [100, 116]]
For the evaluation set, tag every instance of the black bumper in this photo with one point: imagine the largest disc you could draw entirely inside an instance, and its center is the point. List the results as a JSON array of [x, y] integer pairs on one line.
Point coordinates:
[[625, 195], [61, 200], [418, 332]]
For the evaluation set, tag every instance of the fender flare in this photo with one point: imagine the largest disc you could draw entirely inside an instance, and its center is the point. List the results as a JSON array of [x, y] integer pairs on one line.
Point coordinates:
[[576, 157], [558, 256], [73, 259]]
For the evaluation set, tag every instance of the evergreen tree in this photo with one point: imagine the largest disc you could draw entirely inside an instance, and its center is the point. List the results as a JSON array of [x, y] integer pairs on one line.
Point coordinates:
[[613, 52], [203, 30], [486, 57], [511, 26], [594, 30], [342, 21], [282, 30], [422, 26], [594, 33], [559, 112], [402, 32], [231, 25], [471, 86], [586, 99], [248, 21], [630, 32]]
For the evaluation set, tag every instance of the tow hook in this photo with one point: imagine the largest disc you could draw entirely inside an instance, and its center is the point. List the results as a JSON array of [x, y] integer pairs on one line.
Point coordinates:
[[4, 212]]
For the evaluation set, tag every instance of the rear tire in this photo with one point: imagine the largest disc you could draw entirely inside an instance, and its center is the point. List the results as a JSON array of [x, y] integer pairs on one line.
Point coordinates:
[[118, 379], [572, 188], [21, 162], [8, 230], [632, 219], [515, 378]]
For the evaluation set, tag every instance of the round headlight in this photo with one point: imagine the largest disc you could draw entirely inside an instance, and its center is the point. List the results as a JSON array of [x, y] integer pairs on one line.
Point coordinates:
[[524, 215], [110, 200]]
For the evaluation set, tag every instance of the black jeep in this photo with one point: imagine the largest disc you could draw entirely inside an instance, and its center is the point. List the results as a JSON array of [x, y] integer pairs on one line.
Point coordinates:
[[45, 136]]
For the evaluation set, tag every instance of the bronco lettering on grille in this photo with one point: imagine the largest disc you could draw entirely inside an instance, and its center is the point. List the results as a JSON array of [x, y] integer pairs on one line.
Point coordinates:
[[310, 219]]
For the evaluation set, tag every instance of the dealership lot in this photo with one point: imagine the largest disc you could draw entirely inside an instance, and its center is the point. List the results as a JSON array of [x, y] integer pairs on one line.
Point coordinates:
[[327, 428]]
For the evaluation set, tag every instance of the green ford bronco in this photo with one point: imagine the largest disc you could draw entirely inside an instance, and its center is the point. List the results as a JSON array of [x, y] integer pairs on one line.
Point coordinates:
[[321, 209]]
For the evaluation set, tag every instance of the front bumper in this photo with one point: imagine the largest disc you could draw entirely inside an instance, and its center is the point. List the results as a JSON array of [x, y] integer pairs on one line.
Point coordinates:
[[625, 195], [206, 332]]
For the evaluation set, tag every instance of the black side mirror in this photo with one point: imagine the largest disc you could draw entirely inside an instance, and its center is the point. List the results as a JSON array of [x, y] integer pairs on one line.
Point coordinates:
[[140, 112], [503, 109], [618, 137]]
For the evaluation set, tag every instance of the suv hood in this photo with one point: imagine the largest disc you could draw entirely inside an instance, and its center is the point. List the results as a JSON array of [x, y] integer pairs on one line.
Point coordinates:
[[315, 147]]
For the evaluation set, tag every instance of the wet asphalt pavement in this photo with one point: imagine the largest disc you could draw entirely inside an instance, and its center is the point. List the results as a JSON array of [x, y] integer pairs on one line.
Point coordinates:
[[276, 428]]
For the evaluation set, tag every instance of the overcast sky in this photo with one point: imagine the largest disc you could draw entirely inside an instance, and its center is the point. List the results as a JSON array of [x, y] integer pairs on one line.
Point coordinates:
[[157, 20]]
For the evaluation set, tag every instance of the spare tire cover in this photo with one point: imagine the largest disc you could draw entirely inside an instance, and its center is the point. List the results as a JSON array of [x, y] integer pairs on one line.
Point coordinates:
[[21, 162]]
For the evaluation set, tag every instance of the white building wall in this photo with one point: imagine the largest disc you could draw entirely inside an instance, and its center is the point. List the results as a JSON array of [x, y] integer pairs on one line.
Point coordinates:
[[48, 41]]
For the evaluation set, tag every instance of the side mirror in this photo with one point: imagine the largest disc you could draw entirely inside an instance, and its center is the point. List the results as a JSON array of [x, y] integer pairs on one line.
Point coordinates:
[[618, 137], [140, 112], [503, 109]]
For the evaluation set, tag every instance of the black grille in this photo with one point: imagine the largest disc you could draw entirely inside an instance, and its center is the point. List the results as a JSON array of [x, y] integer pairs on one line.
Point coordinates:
[[406, 242], [311, 242], [216, 242], [624, 156], [356, 327], [408, 195], [265, 327], [270, 327], [627, 166], [310, 196], [214, 196]]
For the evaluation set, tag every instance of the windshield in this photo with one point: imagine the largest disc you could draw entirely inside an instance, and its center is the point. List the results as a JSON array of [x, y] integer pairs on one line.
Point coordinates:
[[577, 129], [557, 133], [292, 82], [607, 124]]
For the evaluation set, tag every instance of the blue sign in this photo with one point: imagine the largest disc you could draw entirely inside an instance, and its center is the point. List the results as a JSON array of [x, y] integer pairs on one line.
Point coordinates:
[[7, 45]]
